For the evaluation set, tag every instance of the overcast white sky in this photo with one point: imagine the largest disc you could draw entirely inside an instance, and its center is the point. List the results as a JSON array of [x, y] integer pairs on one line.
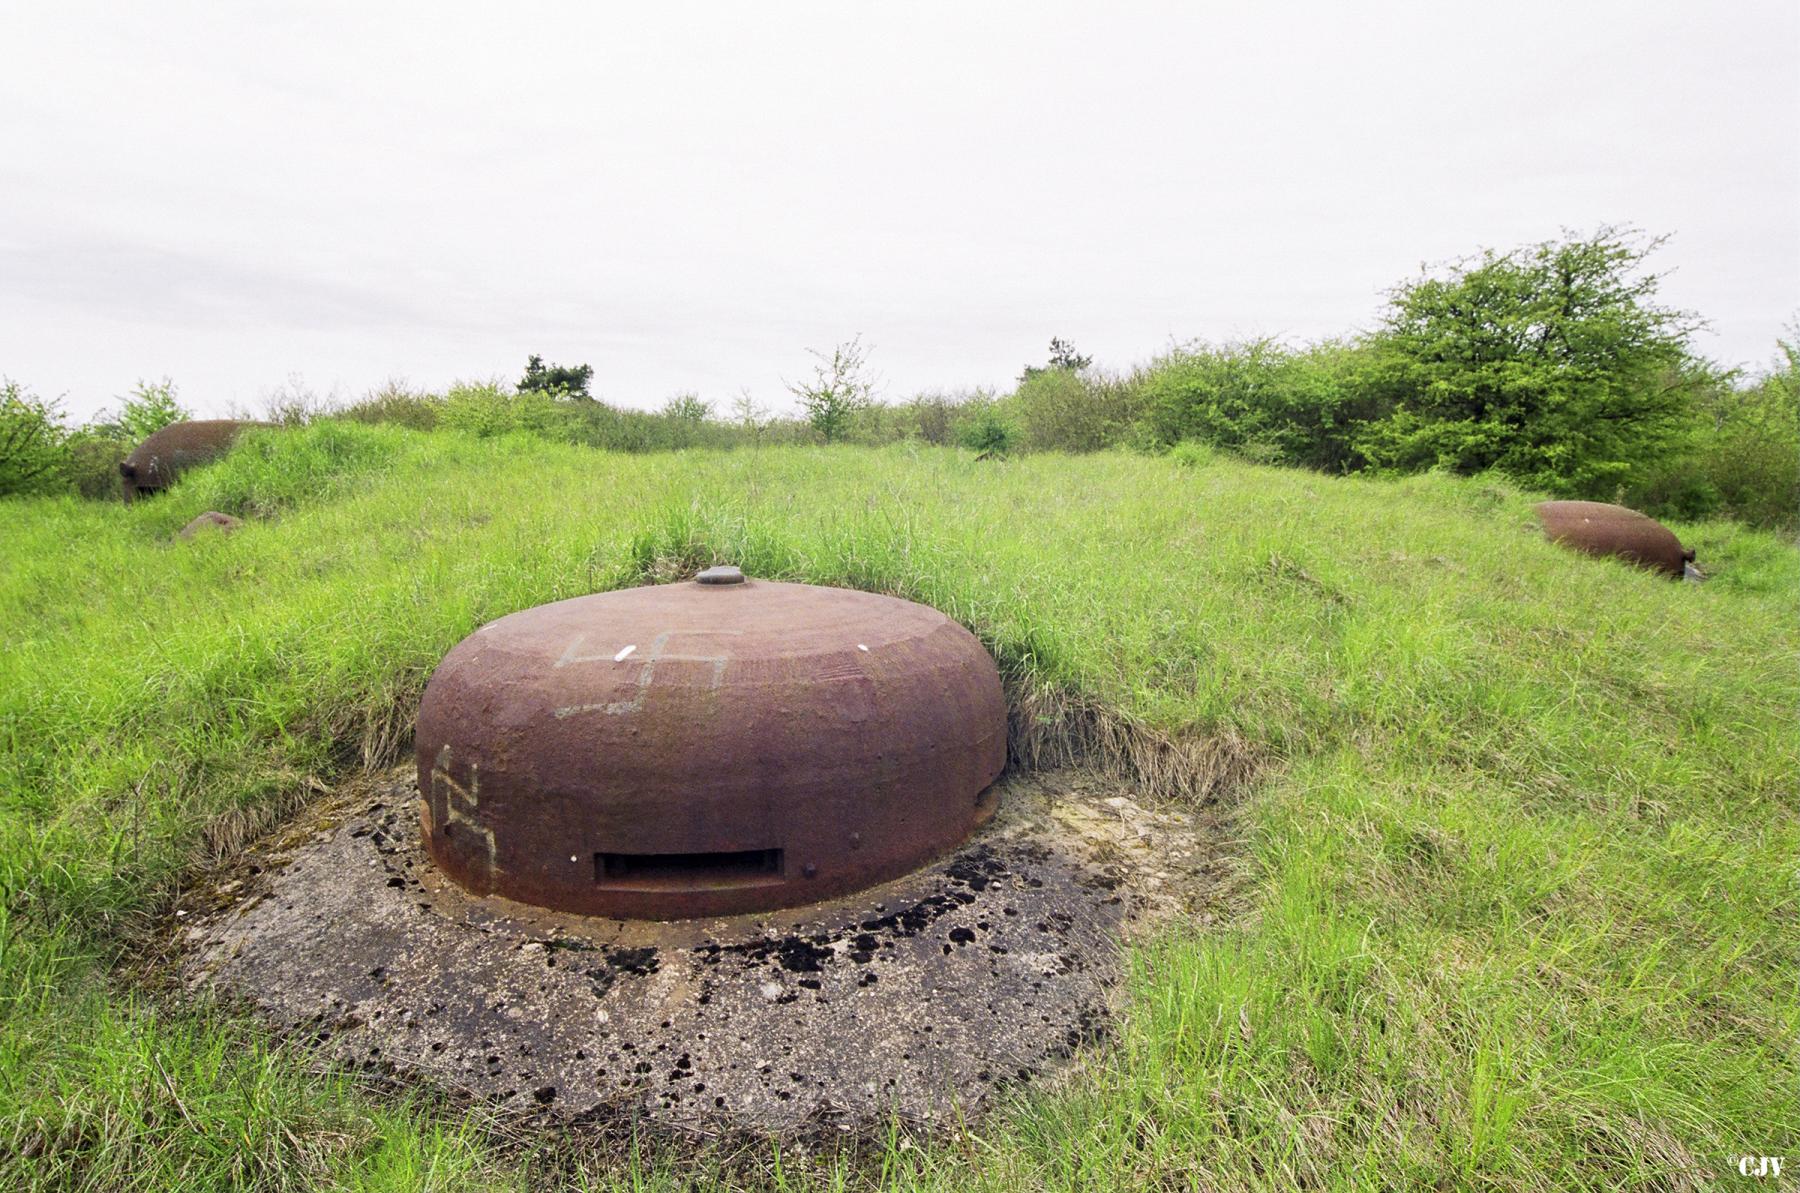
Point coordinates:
[[687, 196]]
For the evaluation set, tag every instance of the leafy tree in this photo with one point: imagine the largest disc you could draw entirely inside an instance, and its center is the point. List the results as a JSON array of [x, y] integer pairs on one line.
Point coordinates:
[[840, 387], [151, 407], [564, 381], [33, 441], [1552, 363], [1063, 359]]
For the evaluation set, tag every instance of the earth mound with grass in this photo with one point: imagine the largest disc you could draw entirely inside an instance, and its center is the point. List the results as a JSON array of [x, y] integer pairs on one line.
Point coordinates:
[[1512, 901]]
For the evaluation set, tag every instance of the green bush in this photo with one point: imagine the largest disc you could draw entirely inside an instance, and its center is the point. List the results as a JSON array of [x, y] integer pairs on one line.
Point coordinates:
[[395, 403], [877, 423], [488, 409], [1264, 401], [930, 417], [1740, 456], [988, 432], [92, 467], [934, 417], [687, 408], [675, 428], [1753, 448], [485, 409], [96, 450], [40, 454], [1069, 411], [1753, 460], [34, 450]]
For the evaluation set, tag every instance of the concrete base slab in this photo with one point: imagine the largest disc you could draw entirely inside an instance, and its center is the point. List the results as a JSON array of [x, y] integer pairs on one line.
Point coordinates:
[[915, 999]]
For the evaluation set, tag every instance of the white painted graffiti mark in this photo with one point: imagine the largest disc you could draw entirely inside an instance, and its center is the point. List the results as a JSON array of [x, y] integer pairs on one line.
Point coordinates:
[[570, 658], [659, 652], [462, 805]]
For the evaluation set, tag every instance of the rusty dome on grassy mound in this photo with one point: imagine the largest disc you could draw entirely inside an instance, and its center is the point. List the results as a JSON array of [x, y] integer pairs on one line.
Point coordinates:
[[706, 748], [1596, 528], [163, 456]]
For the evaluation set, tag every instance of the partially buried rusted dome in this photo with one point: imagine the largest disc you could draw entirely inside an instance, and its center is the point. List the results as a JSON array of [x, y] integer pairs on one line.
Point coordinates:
[[706, 748], [1595, 528], [155, 463]]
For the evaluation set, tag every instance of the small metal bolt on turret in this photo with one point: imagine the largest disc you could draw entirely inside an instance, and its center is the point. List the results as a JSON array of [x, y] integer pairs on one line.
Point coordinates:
[[724, 573]]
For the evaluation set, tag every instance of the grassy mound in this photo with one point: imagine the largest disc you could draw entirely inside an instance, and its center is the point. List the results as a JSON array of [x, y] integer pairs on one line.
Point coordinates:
[[1517, 826]]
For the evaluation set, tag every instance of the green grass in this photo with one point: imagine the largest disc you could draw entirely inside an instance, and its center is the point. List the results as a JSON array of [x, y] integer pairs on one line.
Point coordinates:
[[1516, 828]]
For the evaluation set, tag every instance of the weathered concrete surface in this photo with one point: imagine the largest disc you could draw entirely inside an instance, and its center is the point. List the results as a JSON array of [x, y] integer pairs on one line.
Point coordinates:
[[917, 998]]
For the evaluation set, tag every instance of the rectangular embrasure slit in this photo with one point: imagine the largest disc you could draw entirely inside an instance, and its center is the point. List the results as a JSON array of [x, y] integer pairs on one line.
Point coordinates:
[[687, 871]]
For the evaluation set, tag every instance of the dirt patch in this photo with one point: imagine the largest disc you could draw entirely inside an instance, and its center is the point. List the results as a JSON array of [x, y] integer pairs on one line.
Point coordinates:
[[918, 999]]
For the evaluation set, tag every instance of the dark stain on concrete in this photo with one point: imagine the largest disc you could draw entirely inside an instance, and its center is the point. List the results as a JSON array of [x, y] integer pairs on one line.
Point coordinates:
[[917, 999]]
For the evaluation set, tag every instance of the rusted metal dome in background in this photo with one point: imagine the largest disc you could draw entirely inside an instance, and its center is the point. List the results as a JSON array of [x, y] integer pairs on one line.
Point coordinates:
[[706, 748], [1595, 528], [155, 463]]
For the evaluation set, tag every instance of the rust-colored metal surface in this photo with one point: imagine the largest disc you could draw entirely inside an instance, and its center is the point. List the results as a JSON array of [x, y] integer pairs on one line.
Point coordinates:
[[706, 748], [1595, 528], [159, 459]]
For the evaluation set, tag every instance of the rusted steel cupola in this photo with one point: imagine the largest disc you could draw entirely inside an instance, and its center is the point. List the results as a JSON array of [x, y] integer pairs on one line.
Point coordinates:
[[155, 463], [1596, 528], [707, 748]]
